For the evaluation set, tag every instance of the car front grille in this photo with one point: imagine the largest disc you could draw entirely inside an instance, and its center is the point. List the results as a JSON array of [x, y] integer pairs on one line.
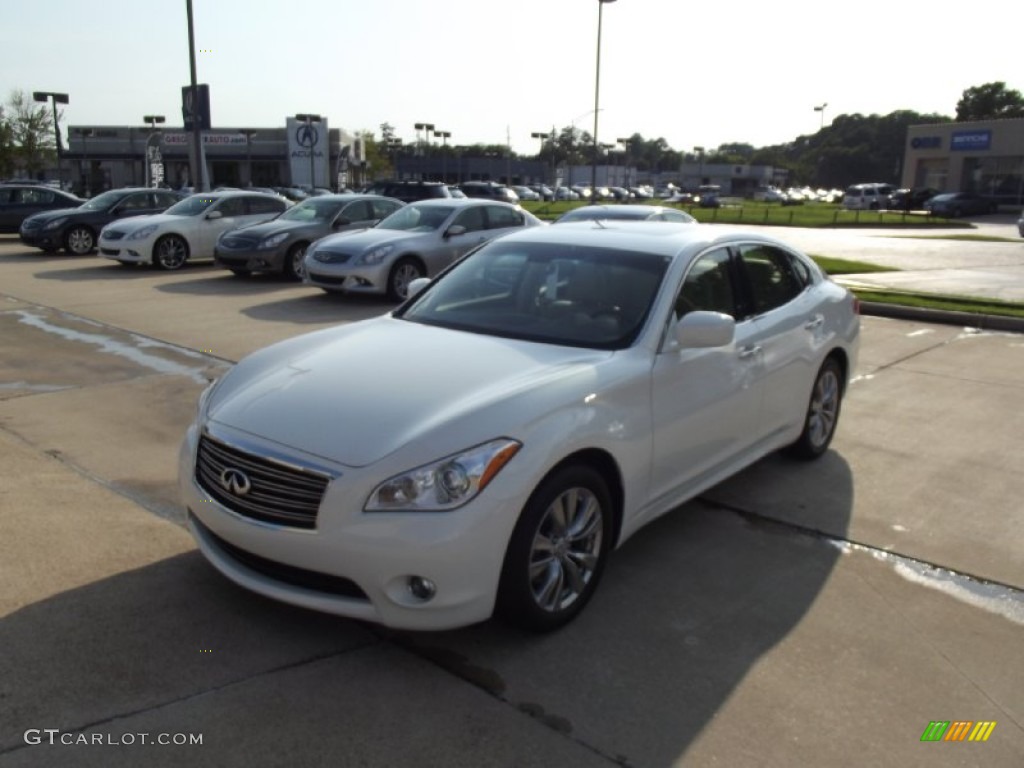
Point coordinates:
[[238, 242], [327, 279], [109, 251], [288, 574], [259, 488], [113, 234], [331, 257]]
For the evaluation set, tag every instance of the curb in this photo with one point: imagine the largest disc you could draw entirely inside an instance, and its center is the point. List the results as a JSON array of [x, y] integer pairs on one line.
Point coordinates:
[[947, 317]]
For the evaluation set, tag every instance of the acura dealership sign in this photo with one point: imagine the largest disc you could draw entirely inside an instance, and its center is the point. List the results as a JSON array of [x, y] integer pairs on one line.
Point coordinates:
[[305, 138], [971, 140], [210, 139]]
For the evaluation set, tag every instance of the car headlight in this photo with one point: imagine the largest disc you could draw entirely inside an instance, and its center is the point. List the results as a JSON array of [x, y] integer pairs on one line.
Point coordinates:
[[142, 232], [274, 240], [55, 223], [377, 255], [445, 484], [204, 399]]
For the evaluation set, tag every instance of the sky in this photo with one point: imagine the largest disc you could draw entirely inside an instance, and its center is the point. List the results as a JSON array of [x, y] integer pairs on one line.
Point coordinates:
[[696, 74]]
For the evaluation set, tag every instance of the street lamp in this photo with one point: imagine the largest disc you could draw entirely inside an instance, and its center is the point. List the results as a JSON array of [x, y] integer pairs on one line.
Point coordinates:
[[700, 172], [544, 136], [55, 98], [85, 133], [597, 94], [249, 133], [628, 144], [309, 119], [152, 121], [822, 110], [444, 136]]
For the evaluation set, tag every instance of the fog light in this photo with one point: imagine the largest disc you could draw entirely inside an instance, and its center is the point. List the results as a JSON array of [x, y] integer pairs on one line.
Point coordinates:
[[422, 588]]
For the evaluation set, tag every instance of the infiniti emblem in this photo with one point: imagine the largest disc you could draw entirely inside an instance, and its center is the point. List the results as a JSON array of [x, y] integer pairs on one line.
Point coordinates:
[[235, 481]]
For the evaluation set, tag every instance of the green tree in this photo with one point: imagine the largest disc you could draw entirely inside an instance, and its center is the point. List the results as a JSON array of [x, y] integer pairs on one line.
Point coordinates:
[[31, 133], [990, 101], [7, 149]]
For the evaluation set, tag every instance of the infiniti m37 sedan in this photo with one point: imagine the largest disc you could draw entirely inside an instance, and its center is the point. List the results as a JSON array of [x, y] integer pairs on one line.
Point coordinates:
[[484, 447]]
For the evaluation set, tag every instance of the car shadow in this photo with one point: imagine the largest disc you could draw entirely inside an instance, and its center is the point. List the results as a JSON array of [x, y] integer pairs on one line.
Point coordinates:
[[321, 307], [106, 270], [685, 611], [221, 282]]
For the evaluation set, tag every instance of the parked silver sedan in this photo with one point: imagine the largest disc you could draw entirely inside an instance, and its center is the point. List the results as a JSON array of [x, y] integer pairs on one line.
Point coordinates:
[[417, 241]]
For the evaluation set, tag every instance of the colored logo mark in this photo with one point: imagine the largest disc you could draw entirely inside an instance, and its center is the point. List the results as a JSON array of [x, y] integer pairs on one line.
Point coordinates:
[[958, 730]]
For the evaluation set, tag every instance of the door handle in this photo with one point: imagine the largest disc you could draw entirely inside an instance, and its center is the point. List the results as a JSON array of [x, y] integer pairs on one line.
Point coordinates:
[[810, 325], [748, 352]]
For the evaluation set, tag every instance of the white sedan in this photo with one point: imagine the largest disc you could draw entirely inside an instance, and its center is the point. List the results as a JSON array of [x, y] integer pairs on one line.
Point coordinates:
[[487, 444], [188, 230]]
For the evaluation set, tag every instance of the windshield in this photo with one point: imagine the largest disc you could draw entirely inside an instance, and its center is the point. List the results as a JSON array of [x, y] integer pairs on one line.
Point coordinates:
[[102, 202], [313, 209], [417, 218], [558, 294], [191, 206]]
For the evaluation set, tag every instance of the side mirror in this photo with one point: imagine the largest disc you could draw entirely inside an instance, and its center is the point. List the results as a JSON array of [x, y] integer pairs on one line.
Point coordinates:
[[701, 329], [416, 286], [215, 215], [454, 230]]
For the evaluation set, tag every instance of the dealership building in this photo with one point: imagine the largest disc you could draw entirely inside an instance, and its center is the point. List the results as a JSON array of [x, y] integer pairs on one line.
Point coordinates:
[[106, 157], [986, 157]]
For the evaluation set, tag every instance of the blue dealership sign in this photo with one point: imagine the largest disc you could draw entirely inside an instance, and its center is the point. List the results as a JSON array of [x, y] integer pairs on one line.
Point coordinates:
[[970, 140]]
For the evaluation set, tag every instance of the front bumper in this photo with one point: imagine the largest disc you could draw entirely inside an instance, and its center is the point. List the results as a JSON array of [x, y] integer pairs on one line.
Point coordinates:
[[370, 279], [358, 564], [251, 259], [40, 238], [132, 251]]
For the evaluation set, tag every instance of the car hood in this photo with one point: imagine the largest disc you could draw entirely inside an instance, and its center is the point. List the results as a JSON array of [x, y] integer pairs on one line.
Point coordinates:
[[356, 393], [56, 213], [274, 227], [138, 222], [368, 238]]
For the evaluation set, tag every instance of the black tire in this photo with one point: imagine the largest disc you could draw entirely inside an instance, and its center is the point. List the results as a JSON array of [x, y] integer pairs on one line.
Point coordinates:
[[822, 413], [557, 551], [170, 252], [402, 273], [80, 241], [294, 267]]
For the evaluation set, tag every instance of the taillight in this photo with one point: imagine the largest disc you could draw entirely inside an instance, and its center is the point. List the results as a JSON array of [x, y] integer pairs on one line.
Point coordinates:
[[856, 305]]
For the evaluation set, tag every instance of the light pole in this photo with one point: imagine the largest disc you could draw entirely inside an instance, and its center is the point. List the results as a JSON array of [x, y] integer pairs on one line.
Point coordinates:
[[85, 133], [55, 98], [427, 128], [309, 119], [152, 121], [444, 136], [597, 95], [700, 172], [543, 136], [821, 109], [628, 172], [249, 133]]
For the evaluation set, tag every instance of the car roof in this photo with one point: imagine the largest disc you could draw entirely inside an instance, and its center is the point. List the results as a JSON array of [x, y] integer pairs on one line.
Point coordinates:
[[665, 239], [458, 202]]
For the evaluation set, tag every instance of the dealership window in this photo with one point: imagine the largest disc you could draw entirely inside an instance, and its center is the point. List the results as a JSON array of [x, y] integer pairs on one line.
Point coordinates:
[[1001, 178]]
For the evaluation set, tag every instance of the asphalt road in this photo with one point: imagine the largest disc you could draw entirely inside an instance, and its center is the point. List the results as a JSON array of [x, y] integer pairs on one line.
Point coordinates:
[[797, 614]]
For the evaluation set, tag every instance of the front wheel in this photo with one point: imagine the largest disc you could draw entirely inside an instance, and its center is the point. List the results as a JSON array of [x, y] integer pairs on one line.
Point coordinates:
[[79, 241], [404, 272], [557, 552], [170, 252], [294, 266], [822, 413]]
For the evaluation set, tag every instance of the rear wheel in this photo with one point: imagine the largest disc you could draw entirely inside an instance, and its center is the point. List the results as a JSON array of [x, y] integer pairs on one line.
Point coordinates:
[[404, 272], [170, 252], [79, 241], [822, 413], [557, 552], [294, 266]]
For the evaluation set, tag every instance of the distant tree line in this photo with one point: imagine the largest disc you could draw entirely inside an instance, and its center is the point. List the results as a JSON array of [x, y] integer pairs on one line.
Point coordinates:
[[27, 145]]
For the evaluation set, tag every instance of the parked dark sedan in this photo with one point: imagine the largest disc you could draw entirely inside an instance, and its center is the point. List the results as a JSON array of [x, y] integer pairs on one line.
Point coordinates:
[[279, 245], [912, 199], [19, 201], [75, 229], [953, 205]]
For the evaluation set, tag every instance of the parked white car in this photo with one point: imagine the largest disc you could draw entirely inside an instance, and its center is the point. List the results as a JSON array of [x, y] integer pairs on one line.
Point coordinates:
[[188, 230], [488, 444]]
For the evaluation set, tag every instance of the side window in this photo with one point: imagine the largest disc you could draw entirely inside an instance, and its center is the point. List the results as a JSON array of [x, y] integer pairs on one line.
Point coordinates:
[[472, 219], [357, 211], [139, 202], [259, 204], [232, 206], [164, 200], [708, 285], [34, 196], [770, 275], [500, 217], [5, 195], [382, 208]]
